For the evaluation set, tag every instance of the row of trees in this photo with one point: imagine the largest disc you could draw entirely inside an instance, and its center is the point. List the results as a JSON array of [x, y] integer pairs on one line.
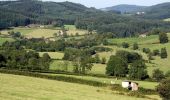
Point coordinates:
[[23, 60]]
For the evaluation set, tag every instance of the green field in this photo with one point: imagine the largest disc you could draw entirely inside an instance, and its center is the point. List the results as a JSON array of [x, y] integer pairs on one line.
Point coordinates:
[[72, 30], [140, 40], [53, 55], [144, 84], [14, 87], [46, 32], [151, 42], [2, 40]]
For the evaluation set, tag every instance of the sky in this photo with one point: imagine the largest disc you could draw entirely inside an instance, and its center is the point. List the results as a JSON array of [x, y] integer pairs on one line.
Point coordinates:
[[108, 3]]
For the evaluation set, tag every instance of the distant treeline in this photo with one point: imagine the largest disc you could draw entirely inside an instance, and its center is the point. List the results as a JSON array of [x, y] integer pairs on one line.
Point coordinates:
[[25, 12]]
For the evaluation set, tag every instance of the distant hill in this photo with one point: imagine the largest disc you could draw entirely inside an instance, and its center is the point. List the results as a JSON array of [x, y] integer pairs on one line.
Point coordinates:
[[14, 13], [124, 8], [160, 11]]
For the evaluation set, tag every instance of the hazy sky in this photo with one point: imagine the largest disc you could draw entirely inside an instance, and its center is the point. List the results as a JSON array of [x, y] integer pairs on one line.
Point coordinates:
[[108, 3]]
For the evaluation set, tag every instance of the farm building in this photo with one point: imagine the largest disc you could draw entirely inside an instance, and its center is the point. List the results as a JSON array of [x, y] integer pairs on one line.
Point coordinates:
[[130, 85]]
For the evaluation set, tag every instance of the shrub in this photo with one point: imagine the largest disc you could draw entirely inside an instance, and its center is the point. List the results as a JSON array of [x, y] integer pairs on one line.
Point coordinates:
[[125, 45], [163, 38], [158, 75], [156, 52], [164, 53], [146, 50], [163, 89], [167, 74], [135, 46]]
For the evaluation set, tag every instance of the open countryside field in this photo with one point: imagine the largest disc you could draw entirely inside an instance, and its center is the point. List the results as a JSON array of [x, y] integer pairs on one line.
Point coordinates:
[[151, 42], [53, 55], [60, 65], [38, 32], [2, 40], [162, 64], [144, 84], [15, 87], [72, 30]]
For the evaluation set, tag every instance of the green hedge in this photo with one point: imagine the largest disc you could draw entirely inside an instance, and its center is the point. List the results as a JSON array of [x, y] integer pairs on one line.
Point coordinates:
[[58, 78]]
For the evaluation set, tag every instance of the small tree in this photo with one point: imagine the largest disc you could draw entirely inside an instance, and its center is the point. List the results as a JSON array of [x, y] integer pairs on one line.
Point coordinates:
[[146, 50], [125, 45], [158, 75], [138, 70], [163, 38], [164, 89], [167, 74], [103, 61], [135, 46], [116, 67], [164, 53], [150, 56], [97, 58], [156, 52], [46, 57]]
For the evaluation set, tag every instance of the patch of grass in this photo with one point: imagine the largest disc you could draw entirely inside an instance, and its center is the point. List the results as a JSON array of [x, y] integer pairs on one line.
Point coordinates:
[[72, 30], [144, 84], [59, 65], [14, 87], [23, 31], [39, 33], [140, 40], [53, 55], [2, 40]]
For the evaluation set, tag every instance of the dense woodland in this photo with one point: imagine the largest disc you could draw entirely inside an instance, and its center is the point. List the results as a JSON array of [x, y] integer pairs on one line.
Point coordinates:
[[14, 13]]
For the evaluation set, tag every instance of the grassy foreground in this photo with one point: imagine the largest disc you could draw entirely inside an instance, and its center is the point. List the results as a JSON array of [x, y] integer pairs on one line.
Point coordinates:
[[14, 87]]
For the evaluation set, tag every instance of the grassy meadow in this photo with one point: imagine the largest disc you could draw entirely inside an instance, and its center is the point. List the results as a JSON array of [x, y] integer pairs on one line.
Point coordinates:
[[2, 40], [144, 84], [151, 42], [53, 55], [14, 87]]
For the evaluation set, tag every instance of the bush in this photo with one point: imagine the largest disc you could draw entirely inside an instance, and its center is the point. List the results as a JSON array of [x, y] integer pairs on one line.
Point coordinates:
[[146, 50], [167, 74], [135, 46], [156, 52], [164, 53], [163, 38], [158, 75], [164, 89], [125, 45], [138, 70]]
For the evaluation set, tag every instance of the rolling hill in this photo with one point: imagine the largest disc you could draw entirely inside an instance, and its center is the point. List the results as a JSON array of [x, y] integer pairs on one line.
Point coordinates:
[[160, 11], [23, 12], [125, 8]]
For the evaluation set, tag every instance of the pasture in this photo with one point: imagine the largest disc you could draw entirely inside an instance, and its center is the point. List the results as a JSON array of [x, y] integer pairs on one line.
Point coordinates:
[[14, 87], [53, 55], [151, 42], [72, 30], [2, 40], [144, 84], [37, 32]]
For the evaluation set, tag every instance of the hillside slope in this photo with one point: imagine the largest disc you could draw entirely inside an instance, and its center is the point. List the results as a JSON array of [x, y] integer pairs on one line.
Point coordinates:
[[14, 87], [23, 12], [160, 11], [125, 8]]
